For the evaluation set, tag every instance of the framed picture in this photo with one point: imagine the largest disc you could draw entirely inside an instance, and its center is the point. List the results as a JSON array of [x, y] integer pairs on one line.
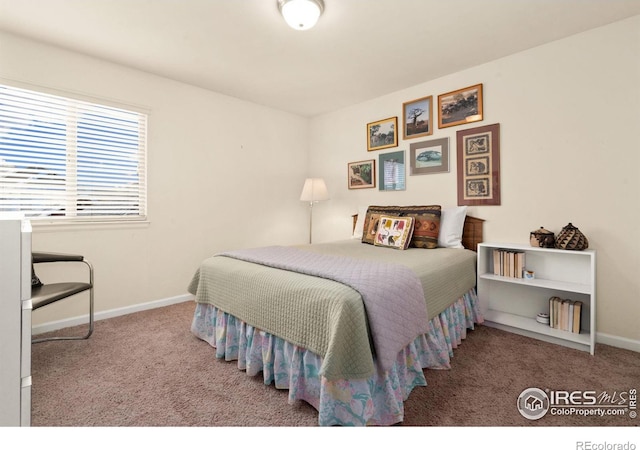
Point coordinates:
[[391, 170], [479, 165], [362, 174], [461, 106], [429, 156], [382, 134], [417, 118]]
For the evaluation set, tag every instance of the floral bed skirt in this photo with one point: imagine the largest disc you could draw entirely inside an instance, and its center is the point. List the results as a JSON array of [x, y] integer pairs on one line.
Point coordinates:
[[378, 400]]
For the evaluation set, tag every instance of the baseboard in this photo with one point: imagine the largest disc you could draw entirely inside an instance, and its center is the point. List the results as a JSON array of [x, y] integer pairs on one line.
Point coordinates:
[[617, 341], [81, 320]]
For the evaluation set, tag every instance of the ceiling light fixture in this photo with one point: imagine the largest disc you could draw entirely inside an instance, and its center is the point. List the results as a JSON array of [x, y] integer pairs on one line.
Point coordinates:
[[301, 14]]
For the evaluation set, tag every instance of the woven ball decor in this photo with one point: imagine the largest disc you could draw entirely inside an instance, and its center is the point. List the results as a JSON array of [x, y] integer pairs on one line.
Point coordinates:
[[571, 238]]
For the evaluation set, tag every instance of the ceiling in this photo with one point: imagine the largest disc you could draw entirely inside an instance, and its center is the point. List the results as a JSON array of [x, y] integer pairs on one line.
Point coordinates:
[[360, 49]]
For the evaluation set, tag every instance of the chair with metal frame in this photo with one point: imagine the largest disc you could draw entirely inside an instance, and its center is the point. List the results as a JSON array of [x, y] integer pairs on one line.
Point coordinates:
[[46, 294]]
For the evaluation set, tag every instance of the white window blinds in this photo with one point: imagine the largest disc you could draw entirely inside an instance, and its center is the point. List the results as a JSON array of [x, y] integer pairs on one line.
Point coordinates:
[[61, 158]]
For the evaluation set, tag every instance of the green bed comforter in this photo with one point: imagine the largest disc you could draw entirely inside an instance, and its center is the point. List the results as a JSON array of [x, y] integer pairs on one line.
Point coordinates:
[[322, 315]]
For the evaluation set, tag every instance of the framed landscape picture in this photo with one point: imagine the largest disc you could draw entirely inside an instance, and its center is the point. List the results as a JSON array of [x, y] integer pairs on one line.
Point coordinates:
[[479, 165], [461, 106], [382, 134], [391, 170], [429, 156], [362, 174], [417, 118]]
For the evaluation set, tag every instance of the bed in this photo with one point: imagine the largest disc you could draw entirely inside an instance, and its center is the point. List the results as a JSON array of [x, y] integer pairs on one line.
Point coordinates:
[[347, 326]]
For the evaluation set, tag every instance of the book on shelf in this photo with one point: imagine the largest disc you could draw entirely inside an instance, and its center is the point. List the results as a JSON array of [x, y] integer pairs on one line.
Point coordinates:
[[508, 263], [569, 320], [520, 259], [569, 325], [496, 262], [577, 316], [565, 314], [511, 264]]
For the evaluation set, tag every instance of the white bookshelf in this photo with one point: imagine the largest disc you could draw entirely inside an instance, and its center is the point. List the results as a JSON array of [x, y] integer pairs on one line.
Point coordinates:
[[15, 322], [512, 304]]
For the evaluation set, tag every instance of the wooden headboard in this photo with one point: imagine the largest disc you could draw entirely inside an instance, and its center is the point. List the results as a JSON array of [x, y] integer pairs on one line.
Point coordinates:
[[471, 234]]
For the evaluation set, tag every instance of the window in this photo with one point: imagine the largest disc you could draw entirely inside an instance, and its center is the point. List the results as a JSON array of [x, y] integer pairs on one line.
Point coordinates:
[[65, 159]]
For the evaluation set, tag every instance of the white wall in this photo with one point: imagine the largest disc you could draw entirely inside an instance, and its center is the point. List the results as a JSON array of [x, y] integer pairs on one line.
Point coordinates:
[[569, 112], [221, 168], [220, 172]]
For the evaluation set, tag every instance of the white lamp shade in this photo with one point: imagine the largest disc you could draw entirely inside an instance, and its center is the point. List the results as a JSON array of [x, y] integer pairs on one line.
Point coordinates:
[[301, 14], [314, 190]]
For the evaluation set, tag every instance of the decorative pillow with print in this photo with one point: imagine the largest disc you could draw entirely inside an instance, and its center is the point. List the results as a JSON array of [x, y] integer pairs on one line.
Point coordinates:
[[426, 223], [372, 219], [394, 232]]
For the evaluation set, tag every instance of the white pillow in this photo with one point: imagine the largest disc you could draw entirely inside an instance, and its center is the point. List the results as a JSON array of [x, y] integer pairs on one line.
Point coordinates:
[[359, 228], [451, 226]]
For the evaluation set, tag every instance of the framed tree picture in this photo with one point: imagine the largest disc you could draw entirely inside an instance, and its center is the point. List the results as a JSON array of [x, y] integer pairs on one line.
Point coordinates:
[[429, 156], [362, 174], [417, 118], [479, 165], [391, 170], [461, 106], [382, 134]]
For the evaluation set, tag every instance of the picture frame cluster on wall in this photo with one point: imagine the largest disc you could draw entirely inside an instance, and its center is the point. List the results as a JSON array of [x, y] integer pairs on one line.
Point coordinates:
[[428, 157], [417, 118], [392, 171], [479, 165], [460, 106], [382, 134], [478, 149], [362, 174]]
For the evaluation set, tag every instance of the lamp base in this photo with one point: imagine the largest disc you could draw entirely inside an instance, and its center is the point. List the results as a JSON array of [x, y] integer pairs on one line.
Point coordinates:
[[310, 221]]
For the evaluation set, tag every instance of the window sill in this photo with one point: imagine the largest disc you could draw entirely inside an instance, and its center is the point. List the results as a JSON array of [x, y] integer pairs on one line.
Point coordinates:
[[44, 226]]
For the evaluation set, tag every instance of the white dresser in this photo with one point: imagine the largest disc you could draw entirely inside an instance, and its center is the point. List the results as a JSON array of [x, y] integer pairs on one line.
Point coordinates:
[[15, 322]]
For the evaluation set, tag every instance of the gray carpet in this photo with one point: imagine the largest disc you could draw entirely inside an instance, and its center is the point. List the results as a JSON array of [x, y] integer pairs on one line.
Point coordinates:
[[147, 370]]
